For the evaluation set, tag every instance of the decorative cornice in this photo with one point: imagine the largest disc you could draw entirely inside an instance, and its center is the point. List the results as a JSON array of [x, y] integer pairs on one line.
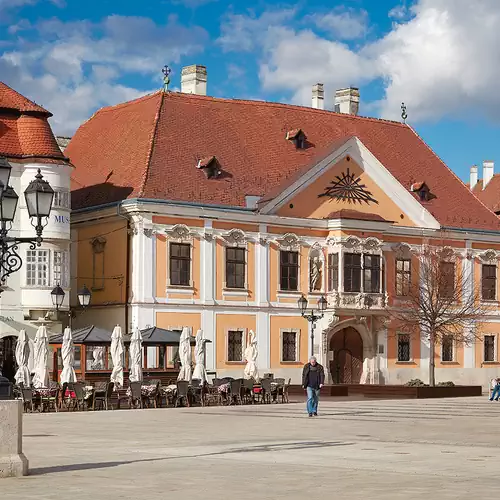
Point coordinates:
[[290, 241], [489, 256], [179, 232], [234, 237]]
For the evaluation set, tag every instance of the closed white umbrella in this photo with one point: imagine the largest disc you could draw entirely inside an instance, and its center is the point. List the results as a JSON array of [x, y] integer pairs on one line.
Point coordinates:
[[68, 374], [22, 359], [41, 376], [251, 355], [185, 355], [117, 350], [135, 363], [200, 371]]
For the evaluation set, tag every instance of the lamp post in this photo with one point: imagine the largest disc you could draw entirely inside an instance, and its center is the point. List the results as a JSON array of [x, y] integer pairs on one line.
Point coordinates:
[[38, 196], [58, 294], [314, 315]]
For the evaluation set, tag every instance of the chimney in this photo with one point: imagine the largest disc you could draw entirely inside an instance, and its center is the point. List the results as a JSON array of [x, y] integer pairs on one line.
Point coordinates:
[[347, 101], [318, 96], [488, 171], [473, 177], [194, 80]]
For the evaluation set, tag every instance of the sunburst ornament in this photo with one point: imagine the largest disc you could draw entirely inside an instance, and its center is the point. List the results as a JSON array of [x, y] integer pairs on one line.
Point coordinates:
[[348, 188]]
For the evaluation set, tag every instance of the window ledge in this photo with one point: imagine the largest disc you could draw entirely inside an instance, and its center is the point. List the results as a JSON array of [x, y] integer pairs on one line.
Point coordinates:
[[188, 290], [490, 363], [294, 294], [243, 363], [450, 363], [485, 302], [406, 363], [294, 363], [243, 292]]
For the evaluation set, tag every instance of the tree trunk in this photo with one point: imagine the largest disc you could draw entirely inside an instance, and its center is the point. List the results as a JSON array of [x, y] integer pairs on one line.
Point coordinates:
[[432, 360]]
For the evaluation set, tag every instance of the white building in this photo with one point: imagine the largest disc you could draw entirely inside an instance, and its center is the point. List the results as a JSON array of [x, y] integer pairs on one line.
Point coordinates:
[[28, 144]]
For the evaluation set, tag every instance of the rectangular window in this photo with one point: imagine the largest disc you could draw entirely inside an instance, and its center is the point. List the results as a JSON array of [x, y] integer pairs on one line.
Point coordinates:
[[235, 345], [447, 279], [289, 346], [489, 282], [371, 273], [289, 270], [403, 277], [61, 199], [180, 264], [447, 350], [37, 268], [489, 348], [352, 272], [235, 267], [333, 272], [152, 360], [60, 269], [404, 347]]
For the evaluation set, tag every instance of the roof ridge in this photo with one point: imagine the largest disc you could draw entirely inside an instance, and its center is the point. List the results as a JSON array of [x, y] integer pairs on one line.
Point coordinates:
[[453, 173], [285, 105], [152, 144]]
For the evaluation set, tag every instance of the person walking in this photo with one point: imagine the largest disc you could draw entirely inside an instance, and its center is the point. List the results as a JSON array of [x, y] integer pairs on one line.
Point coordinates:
[[495, 389], [313, 378]]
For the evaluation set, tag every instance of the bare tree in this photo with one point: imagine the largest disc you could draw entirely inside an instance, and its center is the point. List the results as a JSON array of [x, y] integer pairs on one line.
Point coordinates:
[[442, 303]]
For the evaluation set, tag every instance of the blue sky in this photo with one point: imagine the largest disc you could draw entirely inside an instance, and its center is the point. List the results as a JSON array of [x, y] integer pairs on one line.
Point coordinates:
[[438, 56]]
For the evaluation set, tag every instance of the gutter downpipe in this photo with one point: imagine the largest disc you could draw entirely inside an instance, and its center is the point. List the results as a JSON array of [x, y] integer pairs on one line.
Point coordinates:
[[127, 266]]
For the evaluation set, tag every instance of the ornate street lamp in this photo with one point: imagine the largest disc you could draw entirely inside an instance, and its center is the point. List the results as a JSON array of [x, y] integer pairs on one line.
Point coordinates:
[[39, 196], [314, 315], [58, 294]]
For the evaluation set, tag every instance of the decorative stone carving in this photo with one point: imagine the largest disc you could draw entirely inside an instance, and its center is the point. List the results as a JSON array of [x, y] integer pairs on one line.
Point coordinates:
[[263, 241], [353, 243], [402, 251], [362, 300], [489, 257], [234, 237], [290, 241], [208, 235], [372, 245], [316, 266], [148, 232], [179, 232], [447, 254], [98, 244]]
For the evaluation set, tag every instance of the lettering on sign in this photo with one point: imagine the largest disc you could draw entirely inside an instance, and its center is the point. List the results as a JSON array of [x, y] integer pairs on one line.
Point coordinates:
[[61, 219]]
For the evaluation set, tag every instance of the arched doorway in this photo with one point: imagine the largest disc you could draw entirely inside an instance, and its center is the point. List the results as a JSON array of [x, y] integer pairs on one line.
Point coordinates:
[[346, 366], [7, 357]]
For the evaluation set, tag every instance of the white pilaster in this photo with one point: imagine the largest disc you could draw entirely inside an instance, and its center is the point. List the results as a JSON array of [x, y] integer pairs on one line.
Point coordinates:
[[207, 265], [209, 332], [262, 268], [468, 293], [142, 262], [264, 340]]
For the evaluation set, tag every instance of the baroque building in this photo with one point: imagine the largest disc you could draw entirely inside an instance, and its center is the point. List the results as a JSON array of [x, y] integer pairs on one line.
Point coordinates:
[[28, 144], [220, 214]]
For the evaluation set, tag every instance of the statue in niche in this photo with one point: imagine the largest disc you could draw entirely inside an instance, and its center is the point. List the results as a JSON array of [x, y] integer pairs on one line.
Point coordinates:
[[315, 273]]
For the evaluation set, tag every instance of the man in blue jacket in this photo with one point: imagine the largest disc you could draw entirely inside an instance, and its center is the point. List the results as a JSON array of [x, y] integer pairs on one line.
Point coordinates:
[[313, 379]]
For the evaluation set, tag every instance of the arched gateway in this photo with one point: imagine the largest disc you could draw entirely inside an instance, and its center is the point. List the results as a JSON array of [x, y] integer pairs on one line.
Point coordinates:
[[346, 359]]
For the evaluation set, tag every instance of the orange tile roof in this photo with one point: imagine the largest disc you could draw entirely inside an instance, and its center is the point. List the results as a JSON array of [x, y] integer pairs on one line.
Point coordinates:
[[25, 133], [149, 148], [490, 196], [10, 99]]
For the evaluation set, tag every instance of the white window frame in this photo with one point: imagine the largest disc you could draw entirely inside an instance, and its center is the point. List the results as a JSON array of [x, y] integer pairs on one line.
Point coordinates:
[[453, 350], [489, 301], [296, 331], [495, 347], [225, 288], [189, 288], [244, 333], [401, 334], [63, 195], [36, 263], [64, 280]]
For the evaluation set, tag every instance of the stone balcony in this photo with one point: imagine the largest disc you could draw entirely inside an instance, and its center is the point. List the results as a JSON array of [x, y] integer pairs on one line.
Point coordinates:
[[357, 300]]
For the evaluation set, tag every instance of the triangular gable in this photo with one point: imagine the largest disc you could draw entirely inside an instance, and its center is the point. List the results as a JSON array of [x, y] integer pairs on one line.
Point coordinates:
[[349, 178]]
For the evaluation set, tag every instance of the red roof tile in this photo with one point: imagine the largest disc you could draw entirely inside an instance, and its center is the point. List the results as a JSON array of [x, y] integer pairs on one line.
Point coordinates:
[[10, 99], [490, 196], [25, 133], [152, 145]]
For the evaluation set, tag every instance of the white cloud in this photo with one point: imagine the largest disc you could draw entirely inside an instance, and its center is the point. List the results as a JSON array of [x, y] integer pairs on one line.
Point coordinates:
[[235, 72], [344, 24], [76, 67], [399, 12], [441, 61]]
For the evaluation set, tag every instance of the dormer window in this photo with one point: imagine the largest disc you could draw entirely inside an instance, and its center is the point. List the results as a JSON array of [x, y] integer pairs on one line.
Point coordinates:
[[210, 166], [422, 191], [298, 137]]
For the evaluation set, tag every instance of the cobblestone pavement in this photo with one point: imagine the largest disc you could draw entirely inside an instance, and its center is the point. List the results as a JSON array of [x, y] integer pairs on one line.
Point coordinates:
[[376, 449]]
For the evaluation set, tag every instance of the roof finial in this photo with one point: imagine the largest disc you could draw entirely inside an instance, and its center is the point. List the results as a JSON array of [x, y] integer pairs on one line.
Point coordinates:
[[166, 80], [404, 115]]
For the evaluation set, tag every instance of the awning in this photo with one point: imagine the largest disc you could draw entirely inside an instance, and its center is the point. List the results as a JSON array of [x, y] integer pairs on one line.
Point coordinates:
[[90, 335]]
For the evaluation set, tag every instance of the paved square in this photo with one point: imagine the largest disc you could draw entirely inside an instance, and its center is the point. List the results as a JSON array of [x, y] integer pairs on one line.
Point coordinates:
[[436, 449]]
